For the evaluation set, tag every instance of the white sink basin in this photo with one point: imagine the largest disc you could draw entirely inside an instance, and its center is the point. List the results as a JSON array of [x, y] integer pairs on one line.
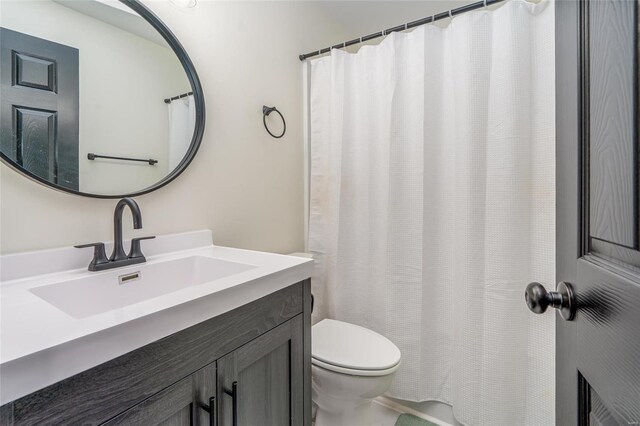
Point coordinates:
[[117, 288]]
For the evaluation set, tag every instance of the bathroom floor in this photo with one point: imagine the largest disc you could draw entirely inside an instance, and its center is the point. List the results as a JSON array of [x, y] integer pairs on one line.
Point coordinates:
[[383, 416], [386, 416]]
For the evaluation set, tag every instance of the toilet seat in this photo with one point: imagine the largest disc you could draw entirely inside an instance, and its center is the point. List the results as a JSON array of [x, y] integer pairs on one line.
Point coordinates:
[[350, 349], [354, 372]]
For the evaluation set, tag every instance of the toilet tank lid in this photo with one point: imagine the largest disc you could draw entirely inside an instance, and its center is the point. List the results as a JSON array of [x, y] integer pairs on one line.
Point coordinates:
[[351, 346]]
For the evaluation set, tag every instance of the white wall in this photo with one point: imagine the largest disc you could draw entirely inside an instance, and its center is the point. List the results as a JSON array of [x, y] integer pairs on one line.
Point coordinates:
[[244, 185], [123, 79]]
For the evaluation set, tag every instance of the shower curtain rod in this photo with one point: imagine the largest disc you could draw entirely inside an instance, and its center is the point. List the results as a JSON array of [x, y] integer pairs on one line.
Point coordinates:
[[438, 16]]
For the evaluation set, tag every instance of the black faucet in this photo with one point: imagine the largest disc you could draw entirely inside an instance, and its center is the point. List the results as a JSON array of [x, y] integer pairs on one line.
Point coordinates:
[[119, 258], [118, 251]]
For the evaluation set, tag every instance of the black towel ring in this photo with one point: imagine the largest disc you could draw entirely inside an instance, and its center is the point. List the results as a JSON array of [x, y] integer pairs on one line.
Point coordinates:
[[265, 112]]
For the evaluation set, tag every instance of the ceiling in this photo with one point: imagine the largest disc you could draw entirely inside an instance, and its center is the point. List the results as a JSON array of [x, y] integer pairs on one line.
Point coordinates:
[[116, 14]]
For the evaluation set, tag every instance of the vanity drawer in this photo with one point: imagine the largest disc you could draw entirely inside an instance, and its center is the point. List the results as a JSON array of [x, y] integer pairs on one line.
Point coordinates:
[[173, 405]]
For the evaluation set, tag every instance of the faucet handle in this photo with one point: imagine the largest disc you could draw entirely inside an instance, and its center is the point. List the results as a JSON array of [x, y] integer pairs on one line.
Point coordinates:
[[136, 250], [99, 254]]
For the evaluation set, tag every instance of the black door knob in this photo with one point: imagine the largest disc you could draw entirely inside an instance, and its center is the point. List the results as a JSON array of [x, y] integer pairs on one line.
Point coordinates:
[[539, 299]]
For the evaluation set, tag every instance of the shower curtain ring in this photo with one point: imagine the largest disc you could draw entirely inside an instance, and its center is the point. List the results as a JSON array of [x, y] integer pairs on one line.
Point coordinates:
[[450, 15], [485, 3]]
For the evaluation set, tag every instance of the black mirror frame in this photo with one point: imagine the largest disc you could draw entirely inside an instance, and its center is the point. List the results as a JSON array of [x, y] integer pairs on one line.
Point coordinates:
[[198, 97]]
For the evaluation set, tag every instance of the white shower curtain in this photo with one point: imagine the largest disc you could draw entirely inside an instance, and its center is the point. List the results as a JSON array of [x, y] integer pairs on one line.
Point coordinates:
[[432, 206], [182, 121]]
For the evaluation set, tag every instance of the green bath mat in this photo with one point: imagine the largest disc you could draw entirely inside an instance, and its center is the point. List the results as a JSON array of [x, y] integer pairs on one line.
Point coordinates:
[[409, 420]]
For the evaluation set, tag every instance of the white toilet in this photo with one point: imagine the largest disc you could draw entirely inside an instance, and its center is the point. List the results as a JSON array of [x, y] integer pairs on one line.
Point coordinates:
[[351, 365]]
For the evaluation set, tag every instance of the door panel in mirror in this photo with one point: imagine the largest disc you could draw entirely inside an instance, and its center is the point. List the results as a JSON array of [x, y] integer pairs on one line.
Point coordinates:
[[35, 147], [31, 71]]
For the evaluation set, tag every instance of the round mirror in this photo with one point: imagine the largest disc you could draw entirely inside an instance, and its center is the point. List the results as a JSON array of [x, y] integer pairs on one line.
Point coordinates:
[[98, 97]]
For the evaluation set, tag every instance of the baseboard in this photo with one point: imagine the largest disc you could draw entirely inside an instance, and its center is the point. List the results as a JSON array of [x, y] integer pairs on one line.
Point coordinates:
[[392, 405]]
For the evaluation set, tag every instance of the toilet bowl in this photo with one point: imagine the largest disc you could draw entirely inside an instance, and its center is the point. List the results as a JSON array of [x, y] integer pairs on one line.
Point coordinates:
[[350, 366]]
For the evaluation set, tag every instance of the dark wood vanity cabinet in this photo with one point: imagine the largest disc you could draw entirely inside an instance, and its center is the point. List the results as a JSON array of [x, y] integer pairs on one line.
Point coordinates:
[[263, 347], [268, 392]]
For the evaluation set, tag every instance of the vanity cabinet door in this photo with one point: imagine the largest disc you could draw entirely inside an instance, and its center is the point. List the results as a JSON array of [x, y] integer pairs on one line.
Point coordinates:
[[185, 403], [268, 373]]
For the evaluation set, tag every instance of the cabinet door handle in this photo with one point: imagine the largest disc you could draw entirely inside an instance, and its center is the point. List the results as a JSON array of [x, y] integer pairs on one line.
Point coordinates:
[[211, 409], [234, 402]]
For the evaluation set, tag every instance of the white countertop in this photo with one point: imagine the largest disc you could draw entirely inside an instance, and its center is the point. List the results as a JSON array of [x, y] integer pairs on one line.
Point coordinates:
[[41, 345]]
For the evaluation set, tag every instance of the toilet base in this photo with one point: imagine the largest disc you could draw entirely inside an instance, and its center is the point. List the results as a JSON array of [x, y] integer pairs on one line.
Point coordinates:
[[343, 399], [353, 416]]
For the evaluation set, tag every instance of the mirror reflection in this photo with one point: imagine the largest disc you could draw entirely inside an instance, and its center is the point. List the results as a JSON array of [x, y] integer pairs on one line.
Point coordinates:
[[92, 98]]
